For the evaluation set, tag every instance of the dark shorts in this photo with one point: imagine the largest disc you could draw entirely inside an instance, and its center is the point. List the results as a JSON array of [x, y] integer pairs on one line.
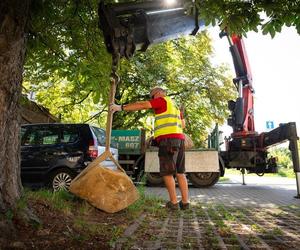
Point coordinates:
[[171, 156]]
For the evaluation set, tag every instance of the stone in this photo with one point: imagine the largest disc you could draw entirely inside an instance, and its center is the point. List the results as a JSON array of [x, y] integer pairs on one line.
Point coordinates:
[[106, 189]]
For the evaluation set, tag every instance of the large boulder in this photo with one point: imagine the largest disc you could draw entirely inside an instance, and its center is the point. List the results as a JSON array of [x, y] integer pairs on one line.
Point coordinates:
[[106, 189]]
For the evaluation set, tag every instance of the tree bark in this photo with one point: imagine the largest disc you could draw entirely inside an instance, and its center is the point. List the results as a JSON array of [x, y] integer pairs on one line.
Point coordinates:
[[13, 19]]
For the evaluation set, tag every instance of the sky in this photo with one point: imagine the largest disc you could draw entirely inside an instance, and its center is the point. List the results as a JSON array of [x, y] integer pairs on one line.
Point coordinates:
[[275, 66]]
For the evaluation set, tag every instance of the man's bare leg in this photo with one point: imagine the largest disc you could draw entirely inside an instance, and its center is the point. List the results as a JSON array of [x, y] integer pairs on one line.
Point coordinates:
[[183, 186], [171, 187]]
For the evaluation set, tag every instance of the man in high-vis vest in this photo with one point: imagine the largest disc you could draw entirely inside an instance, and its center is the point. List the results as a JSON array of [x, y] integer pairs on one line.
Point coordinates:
[[168, 134]]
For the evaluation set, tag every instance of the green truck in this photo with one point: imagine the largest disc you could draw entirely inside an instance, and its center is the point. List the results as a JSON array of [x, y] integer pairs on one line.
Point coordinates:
[[139, 158]]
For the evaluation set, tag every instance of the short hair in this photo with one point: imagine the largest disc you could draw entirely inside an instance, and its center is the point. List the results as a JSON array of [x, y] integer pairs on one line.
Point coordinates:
[[157, 89]]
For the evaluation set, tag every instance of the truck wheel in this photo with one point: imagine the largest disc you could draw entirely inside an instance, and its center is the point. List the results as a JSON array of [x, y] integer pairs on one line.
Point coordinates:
[[204, 179], [154, 179], [61, 179]]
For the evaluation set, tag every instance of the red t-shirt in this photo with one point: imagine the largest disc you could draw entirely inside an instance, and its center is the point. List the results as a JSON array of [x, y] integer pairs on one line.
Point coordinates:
[[160, 105]]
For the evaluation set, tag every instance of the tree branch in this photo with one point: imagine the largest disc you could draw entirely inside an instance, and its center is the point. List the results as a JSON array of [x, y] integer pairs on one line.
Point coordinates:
[[96, 115], [78, 102]]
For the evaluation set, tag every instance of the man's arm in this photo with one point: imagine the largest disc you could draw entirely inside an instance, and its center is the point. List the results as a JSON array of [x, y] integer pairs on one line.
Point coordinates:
[[131, 106], [137, 106], [183, 123]]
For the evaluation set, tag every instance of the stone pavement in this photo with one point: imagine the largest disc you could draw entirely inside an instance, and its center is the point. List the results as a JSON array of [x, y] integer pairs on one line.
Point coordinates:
[[258, 191], [261, 215], [215, 227]]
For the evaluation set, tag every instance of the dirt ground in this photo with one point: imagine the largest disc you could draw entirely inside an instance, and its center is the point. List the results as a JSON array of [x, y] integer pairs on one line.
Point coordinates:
[[80, 227]]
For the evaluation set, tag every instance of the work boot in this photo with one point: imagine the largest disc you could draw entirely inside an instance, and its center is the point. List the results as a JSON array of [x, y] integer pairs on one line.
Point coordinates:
[[184, 206], [172, 206]]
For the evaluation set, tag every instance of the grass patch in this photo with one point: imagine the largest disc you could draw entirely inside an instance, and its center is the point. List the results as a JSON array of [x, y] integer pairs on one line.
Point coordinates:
[[115, 233], [282, 172], [252, 240], [232, 171], [62, 200], [223, 179], [227, 215], [257, 228], [199, 211], [276, 231], [79, 223], [146, 203]]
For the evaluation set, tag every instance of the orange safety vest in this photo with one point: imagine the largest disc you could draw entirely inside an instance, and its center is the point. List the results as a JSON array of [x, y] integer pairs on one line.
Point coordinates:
[[168, 122]]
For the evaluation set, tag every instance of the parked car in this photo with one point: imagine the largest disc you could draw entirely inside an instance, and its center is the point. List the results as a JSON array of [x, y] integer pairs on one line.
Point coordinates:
[[53, 154]]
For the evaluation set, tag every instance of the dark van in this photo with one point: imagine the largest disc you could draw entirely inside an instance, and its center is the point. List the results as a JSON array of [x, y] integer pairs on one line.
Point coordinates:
[[53, 154]]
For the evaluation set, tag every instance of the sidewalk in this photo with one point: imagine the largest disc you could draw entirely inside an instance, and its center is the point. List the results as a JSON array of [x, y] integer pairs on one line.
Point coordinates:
[[258, 191]]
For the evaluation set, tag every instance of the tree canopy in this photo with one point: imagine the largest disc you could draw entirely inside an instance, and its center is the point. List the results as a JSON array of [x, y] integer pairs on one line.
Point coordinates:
[[241, 16], [67, 64], [68, 67]]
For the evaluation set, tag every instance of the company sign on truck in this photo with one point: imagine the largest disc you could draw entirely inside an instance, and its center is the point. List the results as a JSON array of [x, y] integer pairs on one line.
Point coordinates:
[[129, 141]]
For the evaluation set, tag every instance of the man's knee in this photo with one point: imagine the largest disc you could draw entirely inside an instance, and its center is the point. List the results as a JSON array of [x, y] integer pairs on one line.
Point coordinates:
[[180, 176]]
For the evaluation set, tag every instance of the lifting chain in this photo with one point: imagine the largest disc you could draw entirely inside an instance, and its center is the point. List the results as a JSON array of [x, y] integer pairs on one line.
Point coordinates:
[[114, 77], [114, 80]]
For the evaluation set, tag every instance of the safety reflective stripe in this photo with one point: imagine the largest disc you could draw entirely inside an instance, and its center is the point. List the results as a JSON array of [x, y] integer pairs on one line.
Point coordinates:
[[167, 125], [167, 116]]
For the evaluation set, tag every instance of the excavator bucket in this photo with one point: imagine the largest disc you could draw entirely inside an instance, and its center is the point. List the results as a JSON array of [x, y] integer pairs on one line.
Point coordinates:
[[128, 27]]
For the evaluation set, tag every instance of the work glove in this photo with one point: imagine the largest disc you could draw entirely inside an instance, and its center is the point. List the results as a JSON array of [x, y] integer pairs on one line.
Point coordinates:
[[115, 107]]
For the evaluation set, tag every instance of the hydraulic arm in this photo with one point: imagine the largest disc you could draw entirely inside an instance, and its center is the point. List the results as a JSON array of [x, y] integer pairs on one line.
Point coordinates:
[[242, 115]]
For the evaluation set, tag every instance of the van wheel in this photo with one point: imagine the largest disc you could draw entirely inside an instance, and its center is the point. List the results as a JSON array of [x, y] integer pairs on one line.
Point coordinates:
[[204, 179], [154, 179], [61, 179]]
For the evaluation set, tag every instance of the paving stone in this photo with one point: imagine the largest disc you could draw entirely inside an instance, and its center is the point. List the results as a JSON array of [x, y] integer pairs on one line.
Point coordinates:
[[223, 217]]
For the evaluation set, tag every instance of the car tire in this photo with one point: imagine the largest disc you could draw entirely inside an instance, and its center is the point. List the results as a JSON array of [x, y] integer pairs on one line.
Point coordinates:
[[204, 179], [60, 179], [154, 179]]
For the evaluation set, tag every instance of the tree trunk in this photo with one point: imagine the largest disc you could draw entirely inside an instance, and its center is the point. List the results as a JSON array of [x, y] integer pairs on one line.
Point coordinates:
[[13, 18]]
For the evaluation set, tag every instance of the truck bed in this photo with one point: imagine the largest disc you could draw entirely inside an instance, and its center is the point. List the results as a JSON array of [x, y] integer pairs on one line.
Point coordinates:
[[196, 160]]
